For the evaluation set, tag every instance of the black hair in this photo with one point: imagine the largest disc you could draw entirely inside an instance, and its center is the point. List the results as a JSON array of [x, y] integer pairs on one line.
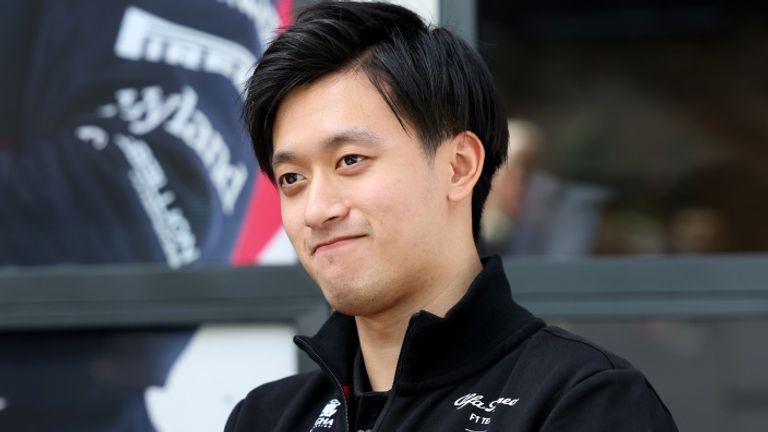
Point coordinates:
[[433, 81]]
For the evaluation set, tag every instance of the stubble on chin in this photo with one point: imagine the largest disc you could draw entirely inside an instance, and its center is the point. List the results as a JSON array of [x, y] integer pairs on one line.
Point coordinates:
[[351, 297]]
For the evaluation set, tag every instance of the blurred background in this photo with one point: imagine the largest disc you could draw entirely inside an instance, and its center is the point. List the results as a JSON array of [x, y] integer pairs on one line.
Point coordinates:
[[651, 113], [146, 284]]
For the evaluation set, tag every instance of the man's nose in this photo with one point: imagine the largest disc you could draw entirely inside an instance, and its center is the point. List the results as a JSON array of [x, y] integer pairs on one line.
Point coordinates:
[[324, 203]]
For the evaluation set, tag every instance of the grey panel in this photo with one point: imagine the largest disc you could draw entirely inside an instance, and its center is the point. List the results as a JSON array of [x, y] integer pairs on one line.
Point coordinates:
[[78, 297], [690, 287], [108, 296], [461, 17]]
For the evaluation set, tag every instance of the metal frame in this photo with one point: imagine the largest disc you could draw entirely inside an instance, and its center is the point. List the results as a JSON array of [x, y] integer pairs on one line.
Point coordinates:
[[134, 296], [685, 287], [131, 296]]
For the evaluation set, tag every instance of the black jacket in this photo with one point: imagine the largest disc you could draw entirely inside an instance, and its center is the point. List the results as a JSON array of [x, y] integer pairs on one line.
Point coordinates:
[[489, 365]]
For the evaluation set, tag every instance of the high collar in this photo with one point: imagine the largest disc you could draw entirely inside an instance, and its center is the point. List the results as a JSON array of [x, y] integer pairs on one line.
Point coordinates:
[[483, 326]]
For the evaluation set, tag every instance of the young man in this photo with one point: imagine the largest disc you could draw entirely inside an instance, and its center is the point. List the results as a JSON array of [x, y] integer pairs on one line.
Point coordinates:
[[383, 136]]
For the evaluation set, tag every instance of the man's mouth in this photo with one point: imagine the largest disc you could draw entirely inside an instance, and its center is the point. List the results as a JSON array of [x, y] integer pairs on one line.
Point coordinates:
[[333, 243]]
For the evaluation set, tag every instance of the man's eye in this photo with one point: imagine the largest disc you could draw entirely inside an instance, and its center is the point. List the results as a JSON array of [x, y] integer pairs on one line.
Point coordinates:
[[351, 160], [289, 179]]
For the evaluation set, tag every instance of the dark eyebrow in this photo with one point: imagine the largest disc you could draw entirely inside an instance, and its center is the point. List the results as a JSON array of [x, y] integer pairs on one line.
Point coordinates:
[[336, 140]]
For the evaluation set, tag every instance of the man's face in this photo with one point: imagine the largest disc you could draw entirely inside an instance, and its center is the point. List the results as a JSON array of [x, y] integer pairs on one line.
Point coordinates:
[[362, 204]]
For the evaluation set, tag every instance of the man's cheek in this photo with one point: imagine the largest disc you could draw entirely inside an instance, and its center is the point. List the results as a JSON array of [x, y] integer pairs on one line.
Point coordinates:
[[293, 231]]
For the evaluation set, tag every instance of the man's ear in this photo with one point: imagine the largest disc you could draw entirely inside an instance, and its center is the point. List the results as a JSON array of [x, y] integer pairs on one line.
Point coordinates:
[[467, 158]]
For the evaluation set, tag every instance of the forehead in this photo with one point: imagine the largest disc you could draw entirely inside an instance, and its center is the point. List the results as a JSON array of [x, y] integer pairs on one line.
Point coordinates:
[[340, 107]]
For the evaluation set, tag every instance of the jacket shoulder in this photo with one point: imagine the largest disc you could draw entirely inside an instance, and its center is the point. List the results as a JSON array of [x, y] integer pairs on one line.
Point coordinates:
[[284, 387], [557, 341], [575, 378], [554, 360]]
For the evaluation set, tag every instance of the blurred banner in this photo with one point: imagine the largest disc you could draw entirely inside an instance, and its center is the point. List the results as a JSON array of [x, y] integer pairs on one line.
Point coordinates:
[[125, 143], [121, 142]]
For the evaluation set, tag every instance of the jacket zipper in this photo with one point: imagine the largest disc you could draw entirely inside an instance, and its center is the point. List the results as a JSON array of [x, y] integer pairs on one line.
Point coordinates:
[[313, 355], [382, 415], [398, 369]]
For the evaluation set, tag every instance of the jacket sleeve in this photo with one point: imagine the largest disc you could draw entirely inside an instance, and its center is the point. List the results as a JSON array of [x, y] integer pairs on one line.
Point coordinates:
[[132, 147], [610, 400]]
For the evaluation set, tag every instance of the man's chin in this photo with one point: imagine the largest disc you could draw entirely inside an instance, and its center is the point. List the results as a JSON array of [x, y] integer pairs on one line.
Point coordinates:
[[355, 310], [351, 301]]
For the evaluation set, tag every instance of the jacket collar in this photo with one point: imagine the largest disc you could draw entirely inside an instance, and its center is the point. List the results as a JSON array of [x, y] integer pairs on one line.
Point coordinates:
[[483, 326]]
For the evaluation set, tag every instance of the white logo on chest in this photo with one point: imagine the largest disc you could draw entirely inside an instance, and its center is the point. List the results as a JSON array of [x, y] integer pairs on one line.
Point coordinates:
[[325, 420], [476, 400]]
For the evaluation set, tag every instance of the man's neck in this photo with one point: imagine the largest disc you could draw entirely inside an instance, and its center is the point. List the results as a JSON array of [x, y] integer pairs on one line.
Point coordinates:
[[381, 336]]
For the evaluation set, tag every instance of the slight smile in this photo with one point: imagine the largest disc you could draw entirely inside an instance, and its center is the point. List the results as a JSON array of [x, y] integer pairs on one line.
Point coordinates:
[[334, 243]]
